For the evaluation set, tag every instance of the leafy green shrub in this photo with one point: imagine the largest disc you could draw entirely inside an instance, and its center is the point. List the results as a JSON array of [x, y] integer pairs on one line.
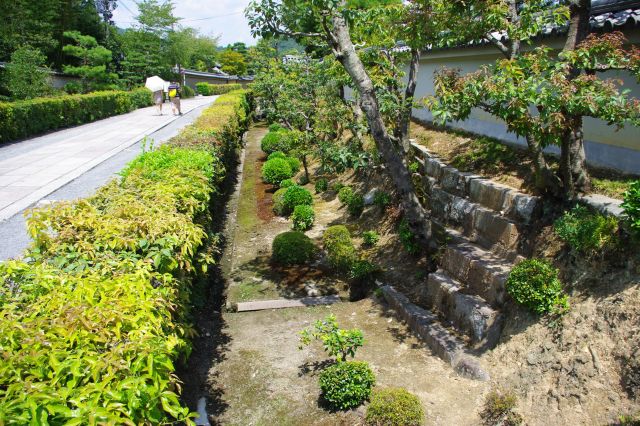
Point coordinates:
[[631, 207], [584, 231], [363, 270], [534, 283], [275, 127], [629, 419], [414, 167], [370, 238], [321, 185], [276, 141], [346, 385], [31, 117], [287, 183], [382, 199], [26, 75], [344, 194], [297, 196], [203, 89], [276, 170], [408, 238], [188, 92], [278, 203], [337, 186], [355, 205], [340, 250], [295, 164], [277, 154], [499, 410], [394, 407], [336, 342], [208, 89], [292, 248], [303, 217]]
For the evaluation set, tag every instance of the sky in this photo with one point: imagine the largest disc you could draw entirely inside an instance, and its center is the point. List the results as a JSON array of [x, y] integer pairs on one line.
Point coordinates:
[[224, 18]]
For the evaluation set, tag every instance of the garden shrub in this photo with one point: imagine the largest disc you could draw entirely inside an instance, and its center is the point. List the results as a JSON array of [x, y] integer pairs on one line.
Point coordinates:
[[584, 231], [21, 119], [499, 410], [355, 205], [303, 217], [346, 385], [337, 342], [408, 238], [337, 186], [208, 89], [287, 183], [292, 248], [276, 170], [414, 167], [278, 202], [370, 238], [275, 127], [340, 250], [344, 194], [534, 283], [297, 196], [382, 199], [295, 165], [203, 89], [277, 154], [363, 270], [108, 287], [321, 185], [188, 92], [631, 207], [276, 141], [394, 407]]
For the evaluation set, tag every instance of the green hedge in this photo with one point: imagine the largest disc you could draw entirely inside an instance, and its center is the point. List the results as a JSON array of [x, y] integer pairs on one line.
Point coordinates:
[[22, 119], [93, 322], [207, 89]]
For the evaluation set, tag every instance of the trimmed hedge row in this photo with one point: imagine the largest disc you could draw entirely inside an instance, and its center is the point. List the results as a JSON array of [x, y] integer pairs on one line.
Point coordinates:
[[22, 119], [93, 321], [207, 89]]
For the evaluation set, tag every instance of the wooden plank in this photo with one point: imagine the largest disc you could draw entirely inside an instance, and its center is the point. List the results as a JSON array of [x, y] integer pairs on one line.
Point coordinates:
[[261, 305]]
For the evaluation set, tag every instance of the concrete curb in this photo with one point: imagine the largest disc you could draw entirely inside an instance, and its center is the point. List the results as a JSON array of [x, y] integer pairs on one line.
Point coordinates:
[[34, 197]]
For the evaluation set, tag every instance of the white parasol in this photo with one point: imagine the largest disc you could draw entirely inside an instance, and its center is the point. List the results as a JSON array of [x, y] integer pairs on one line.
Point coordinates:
[[155, 83]]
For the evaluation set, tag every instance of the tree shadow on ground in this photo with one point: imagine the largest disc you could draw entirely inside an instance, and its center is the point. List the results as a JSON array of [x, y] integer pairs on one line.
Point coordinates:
[[314, 367]]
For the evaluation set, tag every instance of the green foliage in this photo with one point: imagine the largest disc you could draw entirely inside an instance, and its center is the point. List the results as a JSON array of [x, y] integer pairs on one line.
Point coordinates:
[[370, 238], [382, 199], [275, 127], [233, 63], [336, 342], [355, 205], [499, 410], [294, 163], [208, 89], [287, 183], [278, 203], [321, 185], [345, 193], [92, 60], [276, 141], [340, 250], [277, 154], [408, 238], [188, 92], [31, 117], [26, 76], [297, 196], [394, 407], [363, 271], [303, 217], [276, 170], [534, 284], [629, 419], [292, 248], [414, 167], [631, 206], [347, 384], [584, 231]]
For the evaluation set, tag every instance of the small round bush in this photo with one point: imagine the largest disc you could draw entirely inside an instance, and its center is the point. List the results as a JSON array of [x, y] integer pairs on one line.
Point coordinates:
[[344, 194], [321, 185], [337, 186], [297, 196], [275, 127], [276, 170], [292, 248], [287, 183], [303, 217], [277, 154], [347, 384], [278, 202], [394, 407], [355, 205], [294, 163], [340, 250], [534, 283], [370, 238], [276, 141], [631, 207]]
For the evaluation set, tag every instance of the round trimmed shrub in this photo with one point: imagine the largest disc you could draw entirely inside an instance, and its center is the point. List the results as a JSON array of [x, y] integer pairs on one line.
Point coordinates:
[[294, 163], [355, 205], [344, 194], [275, 127], [278, 202], [297, 196], [534, 283], [321, 185], [303, 217], [292, 248], [276, 141], [276, 170], [287, 183], [394, 407], [277, 154], [340, 250], [347, 384]]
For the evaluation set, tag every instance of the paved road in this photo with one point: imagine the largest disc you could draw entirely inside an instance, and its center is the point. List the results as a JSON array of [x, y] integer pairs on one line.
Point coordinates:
[[13, 236]]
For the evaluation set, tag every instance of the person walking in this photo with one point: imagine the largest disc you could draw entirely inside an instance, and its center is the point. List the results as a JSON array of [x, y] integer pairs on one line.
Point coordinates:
[[158, 100], [174, 98]]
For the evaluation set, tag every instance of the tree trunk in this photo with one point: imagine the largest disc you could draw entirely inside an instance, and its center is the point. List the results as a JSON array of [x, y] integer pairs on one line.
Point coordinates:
[[546, 180], [407, 106], [345, 53]]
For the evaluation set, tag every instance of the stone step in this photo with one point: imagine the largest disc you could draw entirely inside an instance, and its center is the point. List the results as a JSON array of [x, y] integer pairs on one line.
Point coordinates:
[[438, 338], [500, 198], [261, 305], [468, 313], [479, 271]]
